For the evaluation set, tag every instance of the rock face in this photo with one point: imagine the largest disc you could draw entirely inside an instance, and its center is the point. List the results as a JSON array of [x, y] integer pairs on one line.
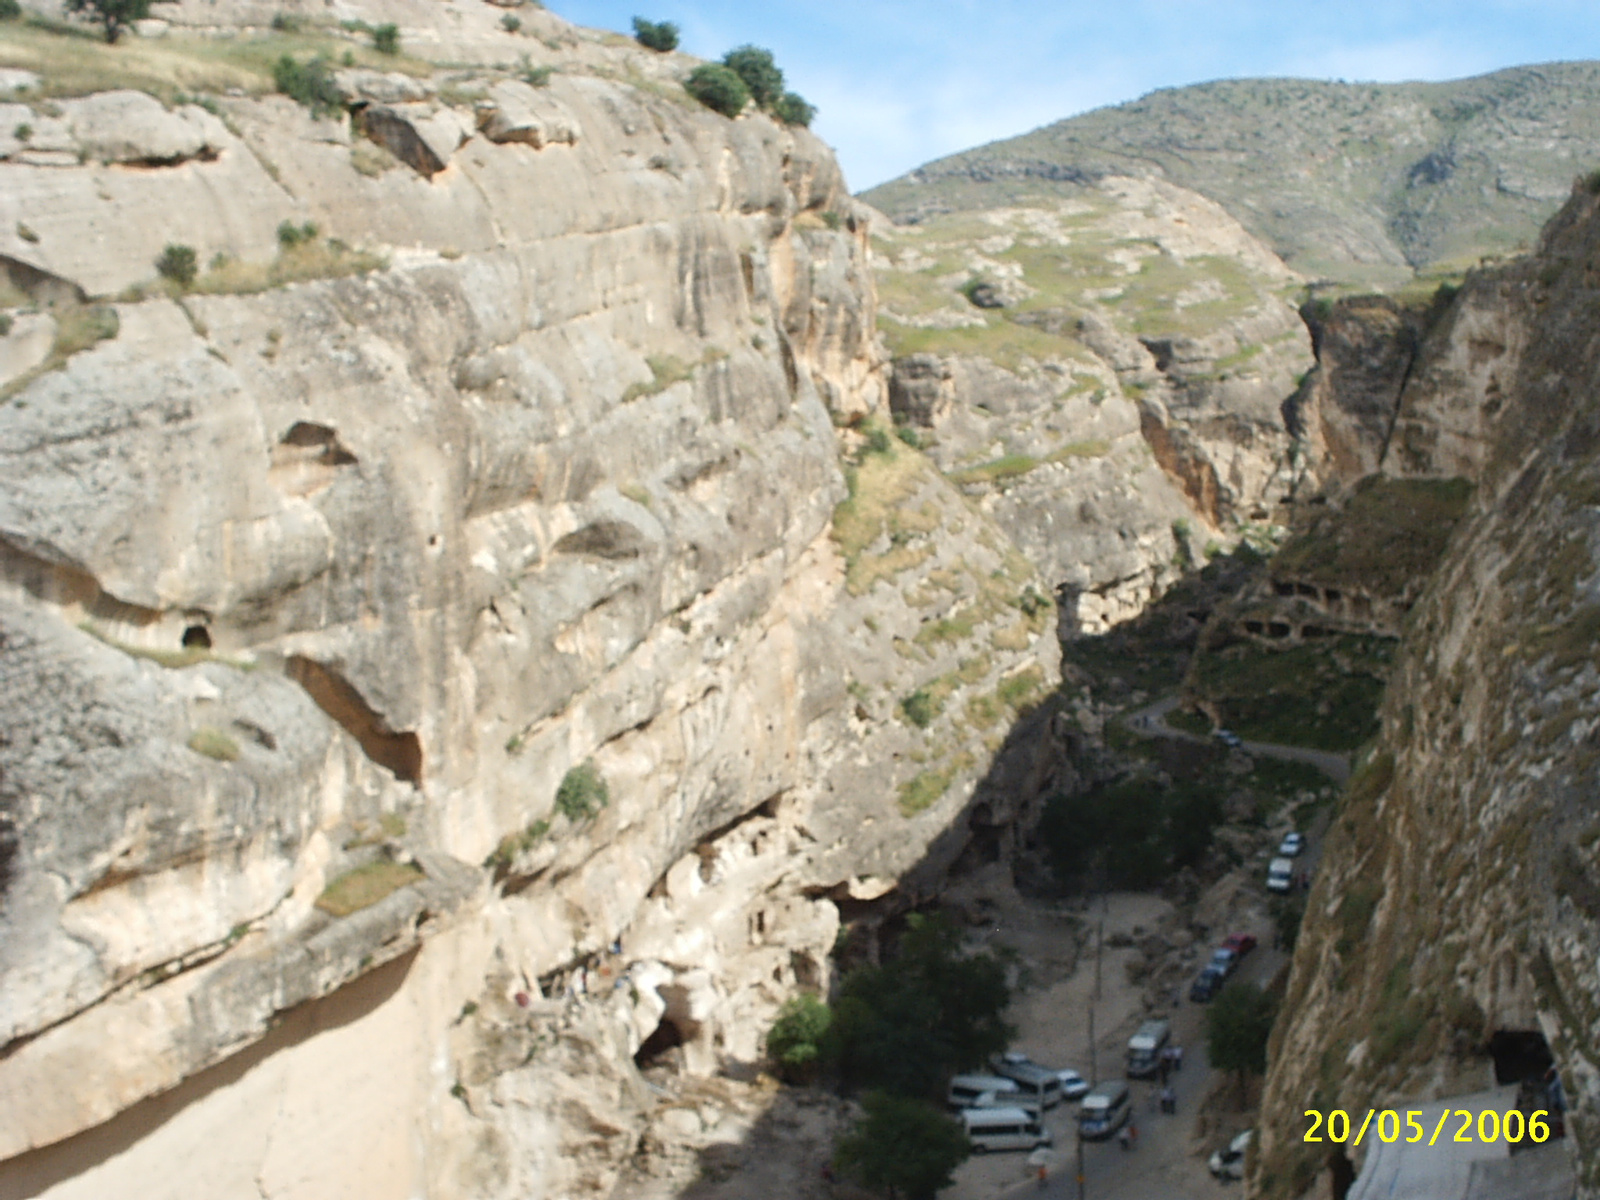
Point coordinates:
[[427, 688], [1124, 410], [1456, 899]]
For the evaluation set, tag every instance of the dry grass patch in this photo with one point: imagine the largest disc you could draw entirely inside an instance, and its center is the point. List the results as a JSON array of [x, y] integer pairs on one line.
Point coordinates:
[[365, 886], [214, 743], [74, 61], [926, 787]]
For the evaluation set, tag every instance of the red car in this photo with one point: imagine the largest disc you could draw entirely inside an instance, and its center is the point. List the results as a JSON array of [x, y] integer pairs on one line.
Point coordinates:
[[1240, 943]]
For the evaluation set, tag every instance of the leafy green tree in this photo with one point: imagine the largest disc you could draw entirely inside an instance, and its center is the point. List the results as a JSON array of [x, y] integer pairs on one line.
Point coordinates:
[[907, 1025], [759, 72], [113, 15], [797, 1038], [10, 10], [1238, 1023], [902, 1146], [718, 88], [386, 39], [1287, 915], [659, 36], [792, 109]]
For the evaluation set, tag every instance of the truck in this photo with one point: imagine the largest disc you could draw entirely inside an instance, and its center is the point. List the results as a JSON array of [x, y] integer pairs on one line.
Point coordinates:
[[1145, 1047]]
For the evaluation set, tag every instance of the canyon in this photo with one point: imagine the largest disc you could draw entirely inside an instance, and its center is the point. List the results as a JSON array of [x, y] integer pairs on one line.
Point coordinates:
[[559, 565]]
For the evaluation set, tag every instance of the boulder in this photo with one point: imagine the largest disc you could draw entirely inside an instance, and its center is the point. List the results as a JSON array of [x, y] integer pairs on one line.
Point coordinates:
[[14, 79], [420, 137], [518, 112], [129, 126], [380, 87]]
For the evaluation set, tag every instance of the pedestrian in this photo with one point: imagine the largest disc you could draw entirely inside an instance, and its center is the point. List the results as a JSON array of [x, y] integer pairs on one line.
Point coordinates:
[[1169, 1100], [1133, 1132], [1124, 1138], [1177, 1058], [1044, 1176], [1166, 1065]]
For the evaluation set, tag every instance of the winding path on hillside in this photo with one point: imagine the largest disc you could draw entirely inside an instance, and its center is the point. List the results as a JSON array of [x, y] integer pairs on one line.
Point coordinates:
[[1150, 721]]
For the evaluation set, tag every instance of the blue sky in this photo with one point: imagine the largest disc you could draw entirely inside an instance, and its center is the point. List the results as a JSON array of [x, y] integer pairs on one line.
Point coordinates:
[[898, 83]]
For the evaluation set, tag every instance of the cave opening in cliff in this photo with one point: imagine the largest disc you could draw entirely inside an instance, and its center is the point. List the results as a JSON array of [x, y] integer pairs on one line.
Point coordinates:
[[398, 753], [197, 637], [656, 1049], [1519, 1054]]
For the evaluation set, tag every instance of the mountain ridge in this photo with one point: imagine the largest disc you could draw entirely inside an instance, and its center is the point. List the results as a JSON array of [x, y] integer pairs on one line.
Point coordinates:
[[1369, 182]]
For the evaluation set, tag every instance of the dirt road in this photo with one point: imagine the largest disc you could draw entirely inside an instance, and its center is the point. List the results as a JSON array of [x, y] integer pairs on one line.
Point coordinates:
[[1150, 721], [1053, 1028]]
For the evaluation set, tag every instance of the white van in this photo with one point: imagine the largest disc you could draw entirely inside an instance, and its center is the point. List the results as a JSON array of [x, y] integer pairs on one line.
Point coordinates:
[[1003, 1129], [1104, 1111], [1041, 1085], [1144, 1047], [974, 1091], [1280, 874]]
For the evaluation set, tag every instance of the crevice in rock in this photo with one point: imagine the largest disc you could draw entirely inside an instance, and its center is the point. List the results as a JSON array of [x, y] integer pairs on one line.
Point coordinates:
[[65, 584], [603, 539], [398, 753], [40, 285]]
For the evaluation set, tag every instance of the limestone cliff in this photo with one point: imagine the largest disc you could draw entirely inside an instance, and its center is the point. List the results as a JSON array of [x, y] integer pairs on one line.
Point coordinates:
[[1103, 372], [1456, 898], [459, 640]]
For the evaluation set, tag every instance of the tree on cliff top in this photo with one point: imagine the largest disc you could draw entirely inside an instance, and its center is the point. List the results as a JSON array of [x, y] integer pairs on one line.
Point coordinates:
[[758, 70], [115, 15], [659, 36]]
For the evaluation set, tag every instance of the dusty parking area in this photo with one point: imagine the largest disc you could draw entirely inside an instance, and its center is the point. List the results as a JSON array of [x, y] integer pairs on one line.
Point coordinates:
[[1053, 948]]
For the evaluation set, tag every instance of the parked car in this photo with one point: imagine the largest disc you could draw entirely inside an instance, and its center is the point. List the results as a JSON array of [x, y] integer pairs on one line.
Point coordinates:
[[1228, 738], [1240, 943], [1041, 1084], [1280, 875], [1224, 960], [1292, 846], [1073, 1085], [1206, 985], [1229, 1164]]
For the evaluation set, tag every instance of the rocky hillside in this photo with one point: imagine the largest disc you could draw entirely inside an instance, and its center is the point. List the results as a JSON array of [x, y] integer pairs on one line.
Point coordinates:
[[1457, 896], [1104, 374], [1356, 182], [466, 623]]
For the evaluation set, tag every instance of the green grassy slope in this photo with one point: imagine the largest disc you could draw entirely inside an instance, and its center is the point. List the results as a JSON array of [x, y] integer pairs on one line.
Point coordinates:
[[1359, 182]]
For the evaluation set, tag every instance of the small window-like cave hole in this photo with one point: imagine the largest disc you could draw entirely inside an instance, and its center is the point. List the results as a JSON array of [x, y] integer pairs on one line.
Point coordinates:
[[656, 1048], [1519, 1054], [197, 637]]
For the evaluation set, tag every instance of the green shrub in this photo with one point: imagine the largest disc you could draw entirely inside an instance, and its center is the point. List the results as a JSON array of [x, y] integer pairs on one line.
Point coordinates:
[[718, 88], [285, 23], [920, 708], [877, 440], [179, 264], [510, 23], [583, 792], [797, 1038], [10, 10], [113, 15], [290, 234], [660, 36], [760, 74], [386, 38], [309, 83], [792, 109], [534, 76], [5, 324], [909, 435]]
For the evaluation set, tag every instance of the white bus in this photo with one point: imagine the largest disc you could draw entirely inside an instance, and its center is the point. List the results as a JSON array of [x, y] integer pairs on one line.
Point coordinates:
[[1003, 1129], [1104, 1111]]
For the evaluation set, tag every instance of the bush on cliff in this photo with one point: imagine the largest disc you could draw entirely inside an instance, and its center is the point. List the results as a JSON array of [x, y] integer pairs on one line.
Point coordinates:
[[718, 88], [113, 15], [660, 36], [798, 1037], [309, 83], [792, 109]]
